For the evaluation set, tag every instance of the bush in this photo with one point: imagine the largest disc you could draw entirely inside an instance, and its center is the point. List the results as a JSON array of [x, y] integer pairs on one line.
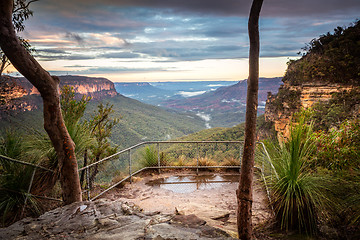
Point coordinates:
[[338, 149]]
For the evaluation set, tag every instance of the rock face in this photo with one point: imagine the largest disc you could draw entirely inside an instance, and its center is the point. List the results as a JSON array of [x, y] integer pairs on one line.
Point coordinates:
[[104, 219], [13, 96], [18, 94], [94, 87], [291, 98]]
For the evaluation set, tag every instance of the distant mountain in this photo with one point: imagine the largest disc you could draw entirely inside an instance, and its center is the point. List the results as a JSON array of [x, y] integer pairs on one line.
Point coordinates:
[[157, 92], [144, 92], [226, 105], [225, 98], [195, 86]]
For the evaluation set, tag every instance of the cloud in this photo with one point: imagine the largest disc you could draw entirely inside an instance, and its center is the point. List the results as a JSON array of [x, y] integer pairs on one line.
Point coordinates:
[[51, 51], [101, 70], [271, 8], [167, 31], [75, 37], [119, 55], [62, 56]]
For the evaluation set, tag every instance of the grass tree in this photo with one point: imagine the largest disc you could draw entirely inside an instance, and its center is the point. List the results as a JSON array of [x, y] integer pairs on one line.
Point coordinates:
[[14, 178], [299, 195]]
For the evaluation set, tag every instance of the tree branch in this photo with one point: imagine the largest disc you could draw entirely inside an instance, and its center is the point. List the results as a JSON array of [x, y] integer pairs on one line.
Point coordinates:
[[25, 6]]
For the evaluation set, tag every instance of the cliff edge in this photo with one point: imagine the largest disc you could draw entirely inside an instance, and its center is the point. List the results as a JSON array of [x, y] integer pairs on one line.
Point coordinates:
[[18, 94], [329, 67]]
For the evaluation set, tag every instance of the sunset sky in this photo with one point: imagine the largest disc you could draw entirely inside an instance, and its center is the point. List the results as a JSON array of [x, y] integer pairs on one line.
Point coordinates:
[[175, 40]]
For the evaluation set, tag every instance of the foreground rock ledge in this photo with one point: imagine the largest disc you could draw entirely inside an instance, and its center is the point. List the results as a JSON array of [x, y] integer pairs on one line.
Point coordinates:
[[105, 219]]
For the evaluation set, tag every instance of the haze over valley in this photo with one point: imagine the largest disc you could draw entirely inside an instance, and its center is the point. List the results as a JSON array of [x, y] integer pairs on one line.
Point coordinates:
[[218, 103]]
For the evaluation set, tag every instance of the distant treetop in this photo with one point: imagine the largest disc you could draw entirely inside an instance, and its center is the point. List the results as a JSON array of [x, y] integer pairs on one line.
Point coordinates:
[[333, 57]]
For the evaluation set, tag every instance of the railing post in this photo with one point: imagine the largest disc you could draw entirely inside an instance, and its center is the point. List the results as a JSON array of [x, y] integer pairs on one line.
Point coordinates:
[[88, 183], [240, 155], [28, 191], [197, 158], [158, 146], [130, 165]]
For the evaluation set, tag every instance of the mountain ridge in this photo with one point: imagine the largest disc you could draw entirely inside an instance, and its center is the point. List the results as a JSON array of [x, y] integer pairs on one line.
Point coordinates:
[[224, 107]]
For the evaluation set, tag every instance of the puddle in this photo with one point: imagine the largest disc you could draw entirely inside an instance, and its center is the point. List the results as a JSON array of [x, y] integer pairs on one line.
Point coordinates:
[[188, 184]]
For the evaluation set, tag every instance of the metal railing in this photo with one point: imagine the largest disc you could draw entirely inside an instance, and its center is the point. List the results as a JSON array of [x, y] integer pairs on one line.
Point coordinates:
[[113, 170], [196, 152]]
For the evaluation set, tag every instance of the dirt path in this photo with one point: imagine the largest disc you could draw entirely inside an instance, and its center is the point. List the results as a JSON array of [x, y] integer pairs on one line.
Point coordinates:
[[216, 204]]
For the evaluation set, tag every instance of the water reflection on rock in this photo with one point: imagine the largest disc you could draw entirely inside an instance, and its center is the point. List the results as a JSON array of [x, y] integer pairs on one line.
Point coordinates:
[[191, 183]]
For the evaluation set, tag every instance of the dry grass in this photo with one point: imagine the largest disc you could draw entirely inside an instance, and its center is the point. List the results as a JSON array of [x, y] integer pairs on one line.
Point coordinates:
[[230, 162]]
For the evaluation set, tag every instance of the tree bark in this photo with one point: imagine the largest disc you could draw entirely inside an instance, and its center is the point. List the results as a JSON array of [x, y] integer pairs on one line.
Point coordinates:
[[48, 87], [244, 192]]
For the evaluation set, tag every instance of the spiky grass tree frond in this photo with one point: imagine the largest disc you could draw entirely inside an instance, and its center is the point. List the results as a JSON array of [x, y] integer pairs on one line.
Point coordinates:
[[14, 178], [11, 146], [82, 138], [14, 184], [298, 194], [40, 147]]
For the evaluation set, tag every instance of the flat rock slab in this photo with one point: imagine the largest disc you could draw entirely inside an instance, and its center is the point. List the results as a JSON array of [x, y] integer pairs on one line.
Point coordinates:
[[204, 211], [217, 205], [105, 219]]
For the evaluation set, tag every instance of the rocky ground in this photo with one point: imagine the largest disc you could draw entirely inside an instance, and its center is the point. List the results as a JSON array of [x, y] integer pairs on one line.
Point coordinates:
[[141, 211], [105, 219], [216, 205]]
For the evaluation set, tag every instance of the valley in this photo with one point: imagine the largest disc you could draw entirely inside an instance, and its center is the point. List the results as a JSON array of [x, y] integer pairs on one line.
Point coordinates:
[[138, 121], [219, 103], [159, 111]]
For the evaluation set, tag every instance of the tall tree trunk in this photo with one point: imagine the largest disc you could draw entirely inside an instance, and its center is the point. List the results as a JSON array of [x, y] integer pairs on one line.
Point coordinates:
[[49, 89], [244, 192]]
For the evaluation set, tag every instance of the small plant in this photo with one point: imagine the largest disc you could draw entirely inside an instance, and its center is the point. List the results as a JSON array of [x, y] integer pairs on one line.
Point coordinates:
[[203, 162], [149, 157], [181, 161]]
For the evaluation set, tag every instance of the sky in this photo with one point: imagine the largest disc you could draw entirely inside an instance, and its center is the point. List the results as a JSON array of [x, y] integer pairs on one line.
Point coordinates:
[[175, 40]]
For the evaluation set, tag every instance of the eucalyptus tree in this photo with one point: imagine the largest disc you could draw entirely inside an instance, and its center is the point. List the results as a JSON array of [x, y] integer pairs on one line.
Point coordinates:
[[21, 12], [48, 86], [244, 192]]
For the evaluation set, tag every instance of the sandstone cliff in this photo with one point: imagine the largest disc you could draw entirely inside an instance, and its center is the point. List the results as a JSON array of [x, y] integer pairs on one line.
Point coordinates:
[[18, 94], [94, 87], [292, 98]]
